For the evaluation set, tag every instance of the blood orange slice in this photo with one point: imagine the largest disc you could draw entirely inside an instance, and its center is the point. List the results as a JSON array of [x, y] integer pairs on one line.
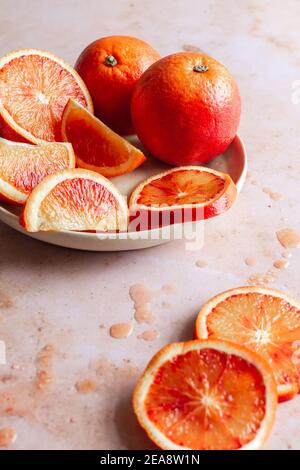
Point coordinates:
[[182, 194], [23, 166], [206, 395], [75, 200], [34, 89], [96, 146], [264, 320]]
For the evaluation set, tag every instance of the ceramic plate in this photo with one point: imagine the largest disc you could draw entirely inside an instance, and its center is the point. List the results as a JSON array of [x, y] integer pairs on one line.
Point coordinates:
[[233, 161]]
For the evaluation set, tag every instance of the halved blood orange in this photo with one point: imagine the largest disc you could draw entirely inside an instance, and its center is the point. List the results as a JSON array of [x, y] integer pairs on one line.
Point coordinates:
[[75, 199], [206, 395], [34, 89], [264, 320], [182, 194], [96, 146], [23, 166]]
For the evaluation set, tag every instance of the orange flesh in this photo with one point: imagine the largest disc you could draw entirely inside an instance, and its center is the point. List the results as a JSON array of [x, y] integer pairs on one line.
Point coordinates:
[[34, 90], [96, 144], [266, 324], [24, 167], [181, 187], [206, 400], [77, 204]]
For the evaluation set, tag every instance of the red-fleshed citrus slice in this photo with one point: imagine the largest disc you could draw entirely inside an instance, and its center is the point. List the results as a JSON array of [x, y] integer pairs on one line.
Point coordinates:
[[23, 166], [182, 194], [206, 395], [34, 89], [75, 199], [264, 320], [96, 146]]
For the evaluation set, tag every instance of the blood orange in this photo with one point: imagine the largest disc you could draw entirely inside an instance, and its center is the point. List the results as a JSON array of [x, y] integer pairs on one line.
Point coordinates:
[[34, 89], [96, 146], [75, 200], [264, 320], [186, 108], [182, 194], [206, 395], [23, 166], [111, 67]]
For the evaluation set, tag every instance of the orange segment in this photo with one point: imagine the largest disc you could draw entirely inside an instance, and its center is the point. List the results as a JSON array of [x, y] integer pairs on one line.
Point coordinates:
[[185, 193], [34, 89], [206, 395], [23, 166], [75, 200], [96, 146], [264, 320]]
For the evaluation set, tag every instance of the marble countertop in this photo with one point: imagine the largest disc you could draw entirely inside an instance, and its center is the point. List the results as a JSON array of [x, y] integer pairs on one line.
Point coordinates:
[[67, 384]]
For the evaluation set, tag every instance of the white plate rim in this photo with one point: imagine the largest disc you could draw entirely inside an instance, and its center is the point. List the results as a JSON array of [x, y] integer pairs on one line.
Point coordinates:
[[156, 233]]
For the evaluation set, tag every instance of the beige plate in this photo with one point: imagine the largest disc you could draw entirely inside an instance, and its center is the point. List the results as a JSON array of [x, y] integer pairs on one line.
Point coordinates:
[[233, 161]]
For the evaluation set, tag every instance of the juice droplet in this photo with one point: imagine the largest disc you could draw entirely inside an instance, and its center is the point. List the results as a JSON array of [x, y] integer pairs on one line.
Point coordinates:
[[140, 294], [102, 366], [169, 288], [281, 263], [144, 315], [86, 386], [262, 279], [191, 48], [276, 196], [121, 330], [149, 335], [251, 261], [201, 263], [288, 238], [7, 436], [267, 190], [286, 254], [44, 366], [273, 195]]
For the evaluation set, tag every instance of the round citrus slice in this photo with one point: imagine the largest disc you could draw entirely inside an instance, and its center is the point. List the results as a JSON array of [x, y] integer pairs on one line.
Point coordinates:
[[75, 199], [264, 320], [206, 395], [23, 166], [34, 89], [182, 194], [96, 146]]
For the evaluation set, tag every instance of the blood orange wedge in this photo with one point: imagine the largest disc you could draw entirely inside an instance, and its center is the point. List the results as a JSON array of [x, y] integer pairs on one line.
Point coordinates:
[[34, 89], [182, 194], [75, 200], [96, 146], [264, 320], [206, 395], [23, 166]]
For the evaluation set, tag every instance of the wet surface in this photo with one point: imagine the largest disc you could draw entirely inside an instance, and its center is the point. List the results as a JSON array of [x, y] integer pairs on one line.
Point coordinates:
[[50, 296]]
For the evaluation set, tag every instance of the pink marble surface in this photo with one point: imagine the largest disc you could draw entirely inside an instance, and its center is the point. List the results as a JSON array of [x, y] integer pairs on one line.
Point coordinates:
[[68, 299]]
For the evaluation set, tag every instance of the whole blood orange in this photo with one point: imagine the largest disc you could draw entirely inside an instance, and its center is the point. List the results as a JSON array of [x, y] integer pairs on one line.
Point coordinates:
[[34, 89], [186, 108], [110, 67]]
